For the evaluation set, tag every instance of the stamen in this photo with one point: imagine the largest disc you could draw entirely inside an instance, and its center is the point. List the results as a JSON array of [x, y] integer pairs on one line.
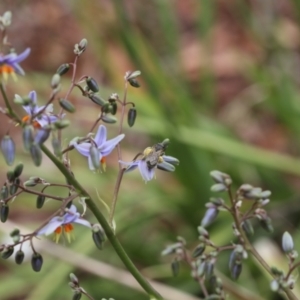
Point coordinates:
[[103, 163], [58, 230], [68, 228]]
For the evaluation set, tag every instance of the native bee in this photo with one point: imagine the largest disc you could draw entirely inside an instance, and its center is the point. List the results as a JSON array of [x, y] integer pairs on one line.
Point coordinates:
[[153, 155]]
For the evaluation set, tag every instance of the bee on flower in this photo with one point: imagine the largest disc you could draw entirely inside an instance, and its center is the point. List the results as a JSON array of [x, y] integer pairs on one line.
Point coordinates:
[[152, 158]]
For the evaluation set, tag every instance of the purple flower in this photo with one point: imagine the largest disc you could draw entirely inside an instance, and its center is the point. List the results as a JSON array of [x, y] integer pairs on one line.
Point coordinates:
[[9, 64], [98, 148], [165, 163], [45, 118], [59, 225]]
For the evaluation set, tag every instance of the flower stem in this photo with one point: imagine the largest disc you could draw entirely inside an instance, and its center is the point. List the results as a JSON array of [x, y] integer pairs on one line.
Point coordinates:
[[105, 225], [244, 239]]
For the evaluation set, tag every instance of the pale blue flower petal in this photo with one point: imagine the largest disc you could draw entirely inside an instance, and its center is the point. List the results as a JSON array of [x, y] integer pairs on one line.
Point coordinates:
[[83, 148], [100, 137], [109, 146], [131, 165], [51, 226], [70, 218], [171, 160], [32, 96], [83, 222], [146, 173]]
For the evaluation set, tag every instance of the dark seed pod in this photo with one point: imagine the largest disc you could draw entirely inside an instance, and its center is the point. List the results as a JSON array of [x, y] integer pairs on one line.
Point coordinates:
[[36, 262], [105, 108], [175, 267], [8, 149], [42, 135], [14, 187], [76, 296], [27, 137], [36, 154], [4, 211], [10, 176], [40, 200], [4, 192], [131, 116], [209, 269], [92, 84], [67, 105], [63, 69], [19, 257], [236, 270], [199, 250], [7, 252], [133, 82], [18, 170], [98, 100]]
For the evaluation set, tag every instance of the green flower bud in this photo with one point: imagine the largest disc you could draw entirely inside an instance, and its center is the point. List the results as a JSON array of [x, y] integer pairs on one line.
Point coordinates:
[[92, 84], [55, 81], [77, 295], [61, 124], [198, 250], [98, 236], [7, 253], [95, 156], [67, 105], [131, 116], [4, 211], [36, 262], [4, 192], [8, 149], [133, 82], [175, 267], [40, 200], [63, 69], [19, 257], [98, 100], [36, 154], [109, 119], [10, 176], [14, 187], [18, 170]]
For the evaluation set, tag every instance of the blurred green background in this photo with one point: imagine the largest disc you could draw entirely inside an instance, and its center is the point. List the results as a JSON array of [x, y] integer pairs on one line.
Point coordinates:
[[220, 79]]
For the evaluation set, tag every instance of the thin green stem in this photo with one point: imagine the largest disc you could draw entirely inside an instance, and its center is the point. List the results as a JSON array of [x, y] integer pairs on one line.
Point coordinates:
[[105, 225], [8, 106]]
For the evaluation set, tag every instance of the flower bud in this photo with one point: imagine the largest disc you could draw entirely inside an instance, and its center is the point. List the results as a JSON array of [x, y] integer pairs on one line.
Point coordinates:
[[36, 154], [74, 278], [210, 216], [55, 81], [42, 135], [236, 270], [67, 105], [132, 75], [109, 119], [36, 262], [77, 295], [113, 107], [8, 149], [95, 156], [4, 192], [98, 100], [248, 228], [15, 234], [19, 257], [175, 267], [18, 170], [61, 124], [6, 18], [218, 187], [10, 176], [27, 137], [40, 200], [209, 269], [83, 44], [92, 84], [131, 116], [63, 69], [98, 236], [287, 242], [14, 187], [266, 224], [4, 211], [274, 285], [7, 252], [198, 250], [133, 82], [56, 145]]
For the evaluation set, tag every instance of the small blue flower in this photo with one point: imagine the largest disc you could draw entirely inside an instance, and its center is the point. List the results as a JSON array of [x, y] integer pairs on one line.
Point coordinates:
[[9, 64], [59, 225], [165, 163], [32, 109], [98, 148]]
